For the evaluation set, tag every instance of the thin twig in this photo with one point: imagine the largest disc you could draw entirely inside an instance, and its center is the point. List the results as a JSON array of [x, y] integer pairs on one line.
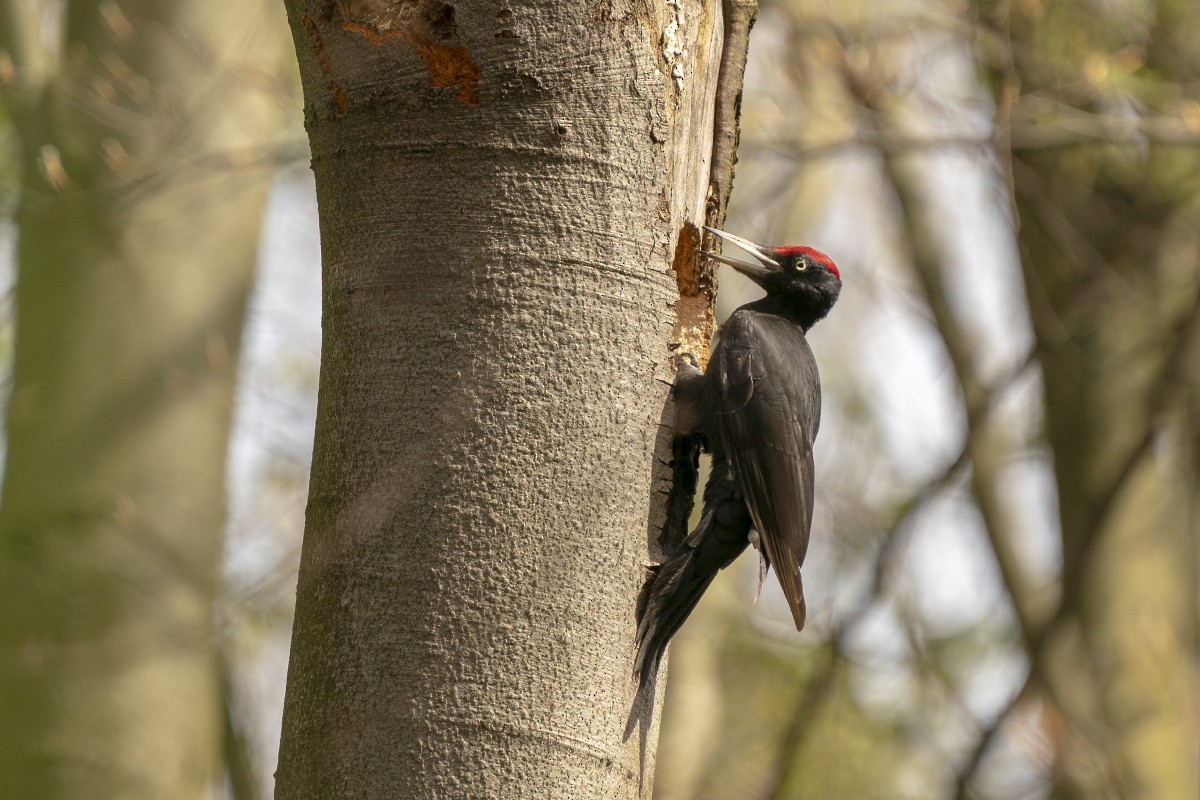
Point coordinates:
[[739, 19]]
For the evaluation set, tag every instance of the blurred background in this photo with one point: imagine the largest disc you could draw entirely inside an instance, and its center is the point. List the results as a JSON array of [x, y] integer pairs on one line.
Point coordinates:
[[1003, 577]]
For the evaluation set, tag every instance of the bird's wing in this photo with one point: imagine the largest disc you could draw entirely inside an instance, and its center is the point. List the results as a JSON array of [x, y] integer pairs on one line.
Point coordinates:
[[768, 411]]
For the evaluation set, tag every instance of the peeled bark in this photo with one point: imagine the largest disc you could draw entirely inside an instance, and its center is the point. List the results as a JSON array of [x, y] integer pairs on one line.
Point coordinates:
[[135, 257], [502, 188]]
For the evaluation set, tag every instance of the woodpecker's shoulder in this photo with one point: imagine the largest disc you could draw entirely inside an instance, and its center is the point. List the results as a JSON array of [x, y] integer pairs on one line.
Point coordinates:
[[750, 327], [767, 356]]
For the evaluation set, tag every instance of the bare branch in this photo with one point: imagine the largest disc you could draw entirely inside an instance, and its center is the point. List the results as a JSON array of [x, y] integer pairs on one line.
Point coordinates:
[[1087, 129], [739, 19]]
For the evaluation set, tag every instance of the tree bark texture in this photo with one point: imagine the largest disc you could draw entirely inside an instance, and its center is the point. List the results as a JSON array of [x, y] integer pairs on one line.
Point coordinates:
[[502, 188], [134, 262]]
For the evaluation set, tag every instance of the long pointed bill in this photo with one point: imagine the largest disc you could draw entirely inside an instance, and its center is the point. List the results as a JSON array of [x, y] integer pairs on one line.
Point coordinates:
[[754, 271]]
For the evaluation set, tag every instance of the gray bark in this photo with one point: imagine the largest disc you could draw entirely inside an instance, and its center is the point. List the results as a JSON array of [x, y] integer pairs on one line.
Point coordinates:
[[501, 190]]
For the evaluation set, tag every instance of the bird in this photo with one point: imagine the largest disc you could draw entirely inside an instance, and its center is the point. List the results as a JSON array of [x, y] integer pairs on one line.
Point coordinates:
[[756, 409]]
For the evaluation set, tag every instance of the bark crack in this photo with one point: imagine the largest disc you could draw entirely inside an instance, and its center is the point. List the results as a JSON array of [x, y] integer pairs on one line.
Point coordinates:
[[696, 278]]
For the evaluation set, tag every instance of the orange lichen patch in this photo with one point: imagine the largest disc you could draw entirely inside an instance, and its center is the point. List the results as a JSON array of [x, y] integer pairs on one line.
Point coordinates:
[[449, 67], [341, 100], [318, 41]]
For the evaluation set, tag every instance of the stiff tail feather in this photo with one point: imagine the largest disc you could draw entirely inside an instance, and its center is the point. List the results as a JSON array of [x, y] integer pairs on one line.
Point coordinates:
[[674, 589]]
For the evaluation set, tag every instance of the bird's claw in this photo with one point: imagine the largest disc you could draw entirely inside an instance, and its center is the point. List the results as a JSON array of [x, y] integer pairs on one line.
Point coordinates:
[[685, 363]]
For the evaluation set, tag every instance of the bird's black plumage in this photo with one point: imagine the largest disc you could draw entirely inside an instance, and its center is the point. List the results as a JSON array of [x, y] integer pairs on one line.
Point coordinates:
[[757, 408]]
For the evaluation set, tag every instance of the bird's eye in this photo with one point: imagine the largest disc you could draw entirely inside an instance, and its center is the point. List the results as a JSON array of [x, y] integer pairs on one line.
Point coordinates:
[[801, 264]]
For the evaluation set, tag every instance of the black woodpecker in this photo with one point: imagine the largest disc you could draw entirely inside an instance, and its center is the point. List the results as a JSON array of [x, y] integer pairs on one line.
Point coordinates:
[[756, 409]]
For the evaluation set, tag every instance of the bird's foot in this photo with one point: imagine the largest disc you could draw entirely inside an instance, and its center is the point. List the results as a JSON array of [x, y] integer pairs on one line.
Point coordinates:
[[686, 364]]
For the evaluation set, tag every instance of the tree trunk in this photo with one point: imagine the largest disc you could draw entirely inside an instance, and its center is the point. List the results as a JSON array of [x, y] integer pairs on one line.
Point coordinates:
[[133, 275], [1109, 242], [502, 187]]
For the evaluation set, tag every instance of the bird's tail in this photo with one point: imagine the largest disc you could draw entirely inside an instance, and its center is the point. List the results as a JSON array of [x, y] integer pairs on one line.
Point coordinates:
[[672, 591]]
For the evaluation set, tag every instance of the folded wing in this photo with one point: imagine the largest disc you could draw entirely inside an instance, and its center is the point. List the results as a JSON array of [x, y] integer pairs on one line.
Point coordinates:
[[769, 408]]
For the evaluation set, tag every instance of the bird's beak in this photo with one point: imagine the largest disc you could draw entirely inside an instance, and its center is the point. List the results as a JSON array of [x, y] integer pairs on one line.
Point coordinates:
[[755, 272]]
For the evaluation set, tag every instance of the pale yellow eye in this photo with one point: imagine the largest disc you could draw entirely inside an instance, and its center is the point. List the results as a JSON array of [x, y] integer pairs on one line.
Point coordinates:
[[801, 265]]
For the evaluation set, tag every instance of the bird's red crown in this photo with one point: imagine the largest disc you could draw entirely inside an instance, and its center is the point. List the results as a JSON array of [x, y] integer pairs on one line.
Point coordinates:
[[814, 254]]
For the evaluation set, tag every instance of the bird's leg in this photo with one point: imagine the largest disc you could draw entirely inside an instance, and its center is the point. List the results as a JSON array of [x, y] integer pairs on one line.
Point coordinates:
[[763, 564], [687, 393], [686, 443]]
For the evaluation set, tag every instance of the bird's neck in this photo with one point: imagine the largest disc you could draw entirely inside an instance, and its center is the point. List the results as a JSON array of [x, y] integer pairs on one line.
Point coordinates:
[[798, 310]]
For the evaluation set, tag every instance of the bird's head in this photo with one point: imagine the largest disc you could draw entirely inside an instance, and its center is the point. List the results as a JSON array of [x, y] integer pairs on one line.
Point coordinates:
[[799, 278]]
